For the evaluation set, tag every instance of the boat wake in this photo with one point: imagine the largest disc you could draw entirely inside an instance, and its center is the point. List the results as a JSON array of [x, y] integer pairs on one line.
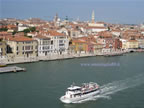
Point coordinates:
[[111, 88]]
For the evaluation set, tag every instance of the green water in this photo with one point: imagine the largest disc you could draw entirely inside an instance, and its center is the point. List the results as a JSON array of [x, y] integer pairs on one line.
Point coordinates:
[[44, 83]]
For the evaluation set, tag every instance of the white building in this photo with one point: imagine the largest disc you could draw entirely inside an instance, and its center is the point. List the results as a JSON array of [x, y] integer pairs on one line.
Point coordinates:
[[59, 42], [45, 46], [64, 31], [96, 29], [124, 43], [21, 27], [116, 33], [32, 34]]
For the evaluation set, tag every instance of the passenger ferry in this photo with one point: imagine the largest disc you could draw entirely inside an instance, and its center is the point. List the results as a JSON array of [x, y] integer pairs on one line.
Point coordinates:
[[79, 93]]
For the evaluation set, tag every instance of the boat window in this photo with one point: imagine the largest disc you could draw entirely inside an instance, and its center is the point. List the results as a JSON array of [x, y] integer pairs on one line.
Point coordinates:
[[74, 89]]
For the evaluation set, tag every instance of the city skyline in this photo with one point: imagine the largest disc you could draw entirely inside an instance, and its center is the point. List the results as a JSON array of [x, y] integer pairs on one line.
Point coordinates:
[[124, 12]]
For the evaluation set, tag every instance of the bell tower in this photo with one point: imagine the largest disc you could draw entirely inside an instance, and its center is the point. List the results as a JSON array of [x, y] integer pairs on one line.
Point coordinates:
[[93, 17]]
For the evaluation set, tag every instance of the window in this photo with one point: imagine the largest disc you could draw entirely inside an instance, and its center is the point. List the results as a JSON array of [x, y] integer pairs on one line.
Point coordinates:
[[28, 42], [17, 48], [48, 47], [27, 47], [61, 44], [60, 41], [51, 42]]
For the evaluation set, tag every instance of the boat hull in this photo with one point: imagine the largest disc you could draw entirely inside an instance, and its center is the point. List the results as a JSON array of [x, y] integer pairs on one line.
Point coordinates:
[[79, 98], [3, 65]]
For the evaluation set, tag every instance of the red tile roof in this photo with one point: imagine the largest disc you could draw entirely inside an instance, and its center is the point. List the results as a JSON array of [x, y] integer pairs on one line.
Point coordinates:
[[42, 37], [55, 33], [94, 27], [18, 38]]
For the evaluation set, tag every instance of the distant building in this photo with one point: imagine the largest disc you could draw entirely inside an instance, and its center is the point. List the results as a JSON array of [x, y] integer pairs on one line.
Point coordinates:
[[57, 21], [116, 33], [5, 34], [74, 33], [98, 48], [132, 44], [22, 27], [59, 41], [124, 44], [94, 27], [22, 46], [141, 43], [45, 45], [79, 46], [2, 48]]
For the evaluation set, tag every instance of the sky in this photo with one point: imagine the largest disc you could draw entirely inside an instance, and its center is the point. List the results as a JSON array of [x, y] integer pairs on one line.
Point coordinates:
[[111, 11]]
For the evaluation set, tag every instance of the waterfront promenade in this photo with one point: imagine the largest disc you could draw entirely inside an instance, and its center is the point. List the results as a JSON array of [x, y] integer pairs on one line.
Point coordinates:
[[44, 58], [57, 57]]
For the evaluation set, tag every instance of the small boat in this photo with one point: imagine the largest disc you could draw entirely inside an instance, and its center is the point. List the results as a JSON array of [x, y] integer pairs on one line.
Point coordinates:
[[79, 93], [2, 65]]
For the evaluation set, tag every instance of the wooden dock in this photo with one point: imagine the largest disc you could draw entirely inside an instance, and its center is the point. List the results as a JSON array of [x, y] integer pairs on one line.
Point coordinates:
[[11, 69]]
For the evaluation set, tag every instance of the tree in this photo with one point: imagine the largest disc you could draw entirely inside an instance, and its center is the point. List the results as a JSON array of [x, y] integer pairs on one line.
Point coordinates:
[[26, 30], [3, 29], [32, 29], [17, 23], [14, 32]]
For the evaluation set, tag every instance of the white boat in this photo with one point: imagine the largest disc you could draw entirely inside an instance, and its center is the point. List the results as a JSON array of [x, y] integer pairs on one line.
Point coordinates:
[[79, 93]]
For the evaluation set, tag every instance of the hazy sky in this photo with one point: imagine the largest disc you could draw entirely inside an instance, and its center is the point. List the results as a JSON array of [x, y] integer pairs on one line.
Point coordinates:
[[114, 11]]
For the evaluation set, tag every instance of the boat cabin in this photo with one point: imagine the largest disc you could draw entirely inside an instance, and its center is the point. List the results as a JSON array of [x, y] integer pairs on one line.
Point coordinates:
[[73, 91], [74, 88]]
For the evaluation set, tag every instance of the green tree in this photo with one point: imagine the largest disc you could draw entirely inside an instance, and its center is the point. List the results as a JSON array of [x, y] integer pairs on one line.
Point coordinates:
[[26, 30], [17, 23], [32, 29], [14, 32], [3, 29]]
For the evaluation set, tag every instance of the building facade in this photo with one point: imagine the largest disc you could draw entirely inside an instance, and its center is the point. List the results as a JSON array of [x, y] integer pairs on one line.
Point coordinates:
[[59, 41], [45, 45], [3, 48], [132, 44], [22, 46]]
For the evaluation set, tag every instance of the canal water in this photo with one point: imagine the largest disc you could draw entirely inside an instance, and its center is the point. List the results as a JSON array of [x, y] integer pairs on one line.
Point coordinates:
[[121, 79]]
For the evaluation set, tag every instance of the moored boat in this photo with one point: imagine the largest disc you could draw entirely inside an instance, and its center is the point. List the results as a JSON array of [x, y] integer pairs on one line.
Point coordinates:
[[2, 65]]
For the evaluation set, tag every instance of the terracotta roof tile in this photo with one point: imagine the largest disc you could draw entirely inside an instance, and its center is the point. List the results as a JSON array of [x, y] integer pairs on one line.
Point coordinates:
[[18, 38], [42, 37], [55, 33]]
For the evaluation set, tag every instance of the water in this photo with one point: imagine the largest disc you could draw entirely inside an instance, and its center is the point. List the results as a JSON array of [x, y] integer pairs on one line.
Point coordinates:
[[122, 85], [111, 88]]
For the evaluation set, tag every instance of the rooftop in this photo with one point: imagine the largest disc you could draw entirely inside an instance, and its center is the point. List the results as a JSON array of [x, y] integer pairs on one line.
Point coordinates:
[[18, 38]]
